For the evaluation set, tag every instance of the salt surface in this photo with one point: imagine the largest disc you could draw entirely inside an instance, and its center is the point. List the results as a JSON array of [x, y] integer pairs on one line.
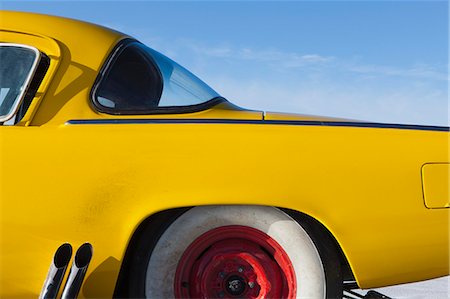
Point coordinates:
[[431, 289]]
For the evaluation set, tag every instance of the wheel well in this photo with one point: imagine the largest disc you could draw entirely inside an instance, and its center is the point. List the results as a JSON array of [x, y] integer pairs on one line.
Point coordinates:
[[154, 225], [157, 223], [325, 243]]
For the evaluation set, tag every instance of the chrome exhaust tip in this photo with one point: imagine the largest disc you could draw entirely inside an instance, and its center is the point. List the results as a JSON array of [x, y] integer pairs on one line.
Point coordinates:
[[77, 272], [56, 272]]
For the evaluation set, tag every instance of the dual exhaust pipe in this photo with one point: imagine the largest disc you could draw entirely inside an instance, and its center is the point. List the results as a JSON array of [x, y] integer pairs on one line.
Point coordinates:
[[58, 268]]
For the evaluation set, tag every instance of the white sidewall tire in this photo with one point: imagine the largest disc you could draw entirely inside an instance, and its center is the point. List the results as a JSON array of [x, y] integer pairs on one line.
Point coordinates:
[[283, 229]]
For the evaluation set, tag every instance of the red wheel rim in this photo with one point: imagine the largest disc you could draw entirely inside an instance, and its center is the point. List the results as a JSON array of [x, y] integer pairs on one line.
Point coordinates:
[[235, 262]]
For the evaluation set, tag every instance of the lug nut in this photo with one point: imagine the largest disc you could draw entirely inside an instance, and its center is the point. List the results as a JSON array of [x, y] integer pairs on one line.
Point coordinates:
[[221, 274], [240, 269], [251, 284]]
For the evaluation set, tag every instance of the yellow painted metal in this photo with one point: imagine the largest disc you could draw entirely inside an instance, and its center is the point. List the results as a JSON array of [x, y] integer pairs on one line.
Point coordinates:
[[301, 117], [435, 180], [96, 183], [83, 48]]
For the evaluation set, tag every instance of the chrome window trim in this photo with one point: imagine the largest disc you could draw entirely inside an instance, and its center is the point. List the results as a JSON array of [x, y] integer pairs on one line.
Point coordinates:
[[27, 80]]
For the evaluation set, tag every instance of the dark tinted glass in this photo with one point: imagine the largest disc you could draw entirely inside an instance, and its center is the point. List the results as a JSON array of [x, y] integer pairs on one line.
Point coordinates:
[[132, 82]]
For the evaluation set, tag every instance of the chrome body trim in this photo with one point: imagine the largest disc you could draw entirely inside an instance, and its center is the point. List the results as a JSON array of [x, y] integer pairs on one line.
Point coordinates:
[[132, 121]]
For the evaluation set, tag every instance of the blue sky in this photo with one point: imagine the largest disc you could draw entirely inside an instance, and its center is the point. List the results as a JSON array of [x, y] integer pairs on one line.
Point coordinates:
[[374, 60]]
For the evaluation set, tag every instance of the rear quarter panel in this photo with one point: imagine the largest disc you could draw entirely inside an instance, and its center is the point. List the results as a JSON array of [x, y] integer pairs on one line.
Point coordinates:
[[96, 183]]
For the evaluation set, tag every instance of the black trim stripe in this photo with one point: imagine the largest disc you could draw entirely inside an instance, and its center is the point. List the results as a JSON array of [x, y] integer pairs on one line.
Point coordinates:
[[255, 122]]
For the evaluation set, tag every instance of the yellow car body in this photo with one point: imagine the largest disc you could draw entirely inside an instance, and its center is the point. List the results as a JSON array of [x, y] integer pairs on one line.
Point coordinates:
[[69, 173]]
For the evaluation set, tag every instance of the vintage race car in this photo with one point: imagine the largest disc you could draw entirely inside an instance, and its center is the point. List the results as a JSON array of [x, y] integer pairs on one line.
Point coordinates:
[[172, 191]]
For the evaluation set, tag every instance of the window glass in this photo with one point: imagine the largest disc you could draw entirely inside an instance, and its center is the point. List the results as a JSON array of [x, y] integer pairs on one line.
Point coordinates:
[[131, 83], [140, 80], [181, 87], [17, 65]]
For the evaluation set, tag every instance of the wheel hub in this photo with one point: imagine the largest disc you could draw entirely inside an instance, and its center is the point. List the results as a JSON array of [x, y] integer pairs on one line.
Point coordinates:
[[235, 285], [235, 262]]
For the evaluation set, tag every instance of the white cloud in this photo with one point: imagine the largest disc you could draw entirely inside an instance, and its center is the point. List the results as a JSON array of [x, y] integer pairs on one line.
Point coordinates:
[[287, 59], [281, 59], [418, 71]]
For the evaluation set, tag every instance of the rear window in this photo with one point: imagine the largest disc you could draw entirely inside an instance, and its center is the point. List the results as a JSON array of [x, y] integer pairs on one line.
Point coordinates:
[[139, 80], [18, 64], [131, 83]]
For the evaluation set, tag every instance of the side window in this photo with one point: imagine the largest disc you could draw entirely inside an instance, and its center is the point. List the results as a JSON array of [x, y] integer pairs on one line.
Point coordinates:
[[39, 75], [17, 67], [181, 87], [139, 80], [131, 82]]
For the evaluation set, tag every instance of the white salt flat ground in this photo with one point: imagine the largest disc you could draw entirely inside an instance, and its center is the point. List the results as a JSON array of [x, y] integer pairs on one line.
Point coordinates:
[[431, 289]]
